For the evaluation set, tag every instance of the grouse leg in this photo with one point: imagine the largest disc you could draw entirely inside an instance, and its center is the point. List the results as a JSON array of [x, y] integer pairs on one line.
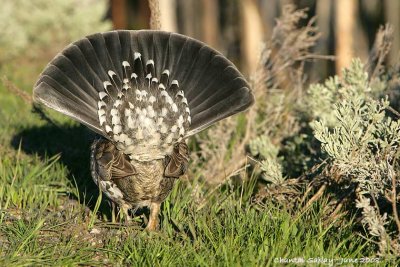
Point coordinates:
[[153, 218]]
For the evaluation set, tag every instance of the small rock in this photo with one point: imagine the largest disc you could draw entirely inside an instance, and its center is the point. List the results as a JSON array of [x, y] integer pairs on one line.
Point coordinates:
[[95, 231]]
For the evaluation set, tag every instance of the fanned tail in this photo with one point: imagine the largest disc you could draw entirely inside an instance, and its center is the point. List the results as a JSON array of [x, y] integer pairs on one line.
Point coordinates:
[[143, 88]]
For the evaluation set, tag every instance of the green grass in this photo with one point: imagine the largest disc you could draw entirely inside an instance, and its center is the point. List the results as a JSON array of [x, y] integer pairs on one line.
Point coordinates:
[[47, 201]]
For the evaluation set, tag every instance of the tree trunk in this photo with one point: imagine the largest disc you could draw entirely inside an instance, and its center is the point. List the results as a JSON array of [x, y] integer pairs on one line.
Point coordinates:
[[190, 18], [252, 34], [118, 14], [155, 16], [324, 17], [210, 22], [392, 11], [168, 15], [345, 13]]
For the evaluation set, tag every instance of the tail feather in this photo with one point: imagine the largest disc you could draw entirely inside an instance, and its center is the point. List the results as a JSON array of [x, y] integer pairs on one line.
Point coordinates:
[[93, 64], [101, 52], [142, 84], [113, 44], [65, 87], [214, 71], [224, 108], [216, 96], [85, 68], [199, 73], [125, 42], [66, 103], [161, 44], [186, 63]]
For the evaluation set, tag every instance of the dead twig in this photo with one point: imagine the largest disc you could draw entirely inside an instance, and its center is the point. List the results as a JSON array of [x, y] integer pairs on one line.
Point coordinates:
[[394, 198], [335, 214], [395, 112], [381, 48], [317, 195], [12, 88], [308, 190]]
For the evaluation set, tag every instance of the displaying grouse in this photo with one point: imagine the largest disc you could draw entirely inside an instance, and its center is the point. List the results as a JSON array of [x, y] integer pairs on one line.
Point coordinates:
[[144, 92]]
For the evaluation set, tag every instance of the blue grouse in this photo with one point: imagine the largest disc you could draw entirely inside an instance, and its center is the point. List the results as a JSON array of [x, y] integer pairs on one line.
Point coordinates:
[[144, 92]]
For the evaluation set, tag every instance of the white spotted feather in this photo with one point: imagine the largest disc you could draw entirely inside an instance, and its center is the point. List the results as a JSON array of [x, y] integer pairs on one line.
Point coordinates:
[[147, 117]]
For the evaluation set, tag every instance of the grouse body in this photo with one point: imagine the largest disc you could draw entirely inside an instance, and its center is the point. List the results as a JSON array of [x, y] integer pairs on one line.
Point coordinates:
[[144, 92]]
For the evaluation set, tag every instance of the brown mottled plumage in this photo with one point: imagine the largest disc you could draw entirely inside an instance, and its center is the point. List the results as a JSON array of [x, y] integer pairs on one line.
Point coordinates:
[[144, 93], [140, 183]]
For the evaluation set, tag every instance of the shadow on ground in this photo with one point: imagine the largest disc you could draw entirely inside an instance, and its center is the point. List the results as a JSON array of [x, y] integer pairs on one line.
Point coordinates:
[[73, 145]]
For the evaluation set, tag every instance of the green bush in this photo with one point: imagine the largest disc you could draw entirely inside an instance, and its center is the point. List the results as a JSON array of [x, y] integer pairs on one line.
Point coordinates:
[[35, 31], [361, 144]]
